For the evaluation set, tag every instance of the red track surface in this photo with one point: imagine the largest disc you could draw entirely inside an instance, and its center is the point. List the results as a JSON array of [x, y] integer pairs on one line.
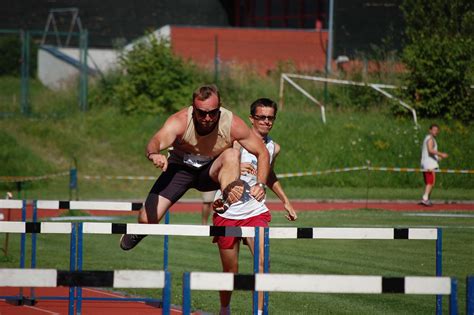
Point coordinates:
[[128, 308], [88, 307]]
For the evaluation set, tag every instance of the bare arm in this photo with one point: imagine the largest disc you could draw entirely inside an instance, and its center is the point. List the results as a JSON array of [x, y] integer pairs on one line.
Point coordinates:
[[432, 151], [252, 143], [276, 187], [164, 138]]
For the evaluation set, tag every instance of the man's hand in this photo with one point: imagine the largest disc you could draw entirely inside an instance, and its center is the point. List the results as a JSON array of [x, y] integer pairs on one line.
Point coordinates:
[[159, 160], [443, 155], [257, 192], [247, 168], [291, 213]]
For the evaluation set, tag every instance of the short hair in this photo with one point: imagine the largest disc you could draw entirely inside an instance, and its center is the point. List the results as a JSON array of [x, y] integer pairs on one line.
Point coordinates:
[[434, 125], [203, 92], [263, 102]]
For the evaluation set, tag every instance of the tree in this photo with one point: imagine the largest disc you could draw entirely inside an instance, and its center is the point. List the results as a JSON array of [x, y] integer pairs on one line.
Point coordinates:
[[439, 57]]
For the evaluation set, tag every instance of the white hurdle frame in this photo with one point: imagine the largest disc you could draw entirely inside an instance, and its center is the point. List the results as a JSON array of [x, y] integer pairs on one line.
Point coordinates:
[[327, 233], [356, 284], [47, 278]]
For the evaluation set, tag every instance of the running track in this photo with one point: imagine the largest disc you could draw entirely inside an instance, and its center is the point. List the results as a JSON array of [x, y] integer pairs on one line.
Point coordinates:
[[127, 308]]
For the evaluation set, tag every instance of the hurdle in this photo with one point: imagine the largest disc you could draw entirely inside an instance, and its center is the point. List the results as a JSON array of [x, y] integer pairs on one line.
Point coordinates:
[[327, 233], [167, 230], [310, 283], [34, 228], [11, 277], [112, 206]]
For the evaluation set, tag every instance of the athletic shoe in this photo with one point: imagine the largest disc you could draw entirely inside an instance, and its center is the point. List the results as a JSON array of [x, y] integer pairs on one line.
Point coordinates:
[[426, 203], [129, 241]]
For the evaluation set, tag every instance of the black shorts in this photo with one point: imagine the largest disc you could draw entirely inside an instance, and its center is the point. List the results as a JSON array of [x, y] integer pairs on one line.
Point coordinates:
[[178, 179]]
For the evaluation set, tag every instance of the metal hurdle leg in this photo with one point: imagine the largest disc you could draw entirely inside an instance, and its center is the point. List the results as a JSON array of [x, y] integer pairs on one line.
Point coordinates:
[[166, 302], [166, 289], [470, 295], [72, 267], [266, 266], [186, 293], [80, 236], [256, 259], [453, 297], [439, 268]]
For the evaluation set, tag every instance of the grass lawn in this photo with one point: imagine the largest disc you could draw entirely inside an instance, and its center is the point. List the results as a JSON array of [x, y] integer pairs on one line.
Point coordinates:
[[358, 257]]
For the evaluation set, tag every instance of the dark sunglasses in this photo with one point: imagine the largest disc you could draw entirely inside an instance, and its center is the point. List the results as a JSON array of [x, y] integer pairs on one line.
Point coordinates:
[[263, 117], [202, 113]]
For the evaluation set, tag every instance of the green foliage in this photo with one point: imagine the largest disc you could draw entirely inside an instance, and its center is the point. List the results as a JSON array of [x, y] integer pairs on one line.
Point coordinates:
[[150, 80], [10, 50], [439, 57]]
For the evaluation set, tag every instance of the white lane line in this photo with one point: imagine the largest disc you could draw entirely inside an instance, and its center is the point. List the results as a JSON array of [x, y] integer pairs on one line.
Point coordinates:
[[41, 310], [444, 215], [105, 293]]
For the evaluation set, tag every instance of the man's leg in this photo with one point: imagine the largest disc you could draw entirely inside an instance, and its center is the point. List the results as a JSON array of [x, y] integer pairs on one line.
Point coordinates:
[[226, 169], [154, 210], [429, 178], [230, 263], [205, 212]]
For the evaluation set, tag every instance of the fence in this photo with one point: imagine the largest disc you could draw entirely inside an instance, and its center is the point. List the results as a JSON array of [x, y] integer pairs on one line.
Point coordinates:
[[24, 94]]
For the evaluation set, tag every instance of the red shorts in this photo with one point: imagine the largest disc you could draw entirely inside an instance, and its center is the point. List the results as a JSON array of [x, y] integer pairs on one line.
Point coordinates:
[[429, 178], [227, 242]]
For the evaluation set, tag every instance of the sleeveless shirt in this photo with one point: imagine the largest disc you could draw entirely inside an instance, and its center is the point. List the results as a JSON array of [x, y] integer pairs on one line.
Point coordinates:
[[429, 161], [195, 150], [248, 206]]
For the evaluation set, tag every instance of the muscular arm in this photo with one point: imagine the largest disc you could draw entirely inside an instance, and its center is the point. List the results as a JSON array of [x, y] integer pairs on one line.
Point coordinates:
[[241, 133], [174, 127]]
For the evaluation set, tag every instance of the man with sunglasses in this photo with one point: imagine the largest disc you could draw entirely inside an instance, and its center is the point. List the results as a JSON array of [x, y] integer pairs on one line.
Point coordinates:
[[201, 156], [249, 211]]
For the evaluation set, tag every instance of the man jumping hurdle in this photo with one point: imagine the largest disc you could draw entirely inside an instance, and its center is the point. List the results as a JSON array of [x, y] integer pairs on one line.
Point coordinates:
[[200, 139]]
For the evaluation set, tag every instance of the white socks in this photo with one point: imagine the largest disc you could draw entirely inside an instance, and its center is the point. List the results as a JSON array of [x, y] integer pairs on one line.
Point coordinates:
[[426, 197]]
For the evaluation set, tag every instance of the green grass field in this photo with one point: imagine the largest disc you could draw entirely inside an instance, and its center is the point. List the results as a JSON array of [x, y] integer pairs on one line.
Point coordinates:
[[358, 257]]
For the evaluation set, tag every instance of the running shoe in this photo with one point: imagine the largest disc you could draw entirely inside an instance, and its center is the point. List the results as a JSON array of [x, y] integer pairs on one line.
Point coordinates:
[[426, 203], [129, 241]]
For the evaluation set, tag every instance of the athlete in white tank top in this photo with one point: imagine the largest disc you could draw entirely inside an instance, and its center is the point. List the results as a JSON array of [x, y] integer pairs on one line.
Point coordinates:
[[429, 161], [248, 206]]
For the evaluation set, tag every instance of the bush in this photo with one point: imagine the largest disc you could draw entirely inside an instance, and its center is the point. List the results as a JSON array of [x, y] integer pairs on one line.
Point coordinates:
[[150, 80]]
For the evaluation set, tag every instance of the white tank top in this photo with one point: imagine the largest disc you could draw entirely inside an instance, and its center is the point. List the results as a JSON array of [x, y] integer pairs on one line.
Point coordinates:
[[429, 161], [248, 206]]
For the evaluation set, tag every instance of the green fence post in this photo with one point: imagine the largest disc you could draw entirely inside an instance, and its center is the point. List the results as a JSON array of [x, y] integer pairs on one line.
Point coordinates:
[[83, 82], [25, 65]]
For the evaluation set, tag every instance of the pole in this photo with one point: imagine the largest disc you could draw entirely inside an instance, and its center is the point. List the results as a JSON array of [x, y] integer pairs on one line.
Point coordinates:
[[439, 268], [330, 36]]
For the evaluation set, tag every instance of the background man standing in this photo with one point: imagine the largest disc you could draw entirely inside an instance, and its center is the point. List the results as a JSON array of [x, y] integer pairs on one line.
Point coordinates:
[[429, 162]]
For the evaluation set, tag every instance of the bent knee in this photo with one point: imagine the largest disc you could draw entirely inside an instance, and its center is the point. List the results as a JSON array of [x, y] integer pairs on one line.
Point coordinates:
[[231, 155]]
